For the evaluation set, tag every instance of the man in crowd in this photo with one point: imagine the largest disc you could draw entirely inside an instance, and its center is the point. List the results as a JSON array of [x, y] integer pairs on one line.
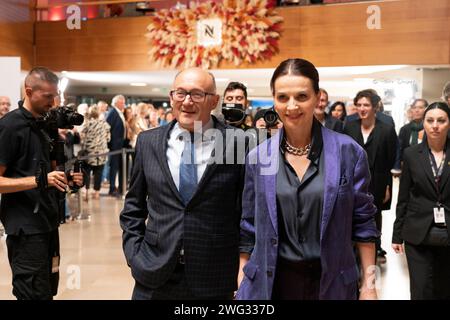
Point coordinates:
[[325, 119], [116, 120]]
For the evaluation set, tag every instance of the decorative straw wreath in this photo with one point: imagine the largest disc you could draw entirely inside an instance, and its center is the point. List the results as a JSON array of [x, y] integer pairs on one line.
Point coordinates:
[[250, 32]]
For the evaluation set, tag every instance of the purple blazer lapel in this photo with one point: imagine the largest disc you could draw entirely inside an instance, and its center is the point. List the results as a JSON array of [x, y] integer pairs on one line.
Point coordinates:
[[268, 158], [332, 176]]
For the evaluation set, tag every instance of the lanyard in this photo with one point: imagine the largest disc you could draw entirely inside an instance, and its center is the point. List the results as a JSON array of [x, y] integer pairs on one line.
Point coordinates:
[[437, 172]]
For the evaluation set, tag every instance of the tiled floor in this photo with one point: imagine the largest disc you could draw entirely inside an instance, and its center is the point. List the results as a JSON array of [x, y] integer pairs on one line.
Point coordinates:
[[93, 265]]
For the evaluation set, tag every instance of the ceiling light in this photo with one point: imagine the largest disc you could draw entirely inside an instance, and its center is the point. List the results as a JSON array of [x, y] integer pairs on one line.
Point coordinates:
[[138, 84]]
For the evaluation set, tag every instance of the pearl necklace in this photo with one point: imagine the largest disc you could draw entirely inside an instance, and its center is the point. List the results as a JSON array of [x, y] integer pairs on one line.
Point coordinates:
[[296, 151]]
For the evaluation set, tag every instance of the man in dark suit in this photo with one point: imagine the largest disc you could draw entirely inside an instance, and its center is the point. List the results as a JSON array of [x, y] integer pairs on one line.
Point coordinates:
[[387, 119], [116, 120], [188, 249], [412, 133], [379, 140], [325, 119]]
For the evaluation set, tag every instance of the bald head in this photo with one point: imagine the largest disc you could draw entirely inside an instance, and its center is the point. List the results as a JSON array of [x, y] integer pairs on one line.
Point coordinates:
[[5, 104], [206, 77]]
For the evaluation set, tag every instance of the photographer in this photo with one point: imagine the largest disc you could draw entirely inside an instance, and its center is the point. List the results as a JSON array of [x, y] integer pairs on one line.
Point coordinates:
[[235, 104], [29, 185]]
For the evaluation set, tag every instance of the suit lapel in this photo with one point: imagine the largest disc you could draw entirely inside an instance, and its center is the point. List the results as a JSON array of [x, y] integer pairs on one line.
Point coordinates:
[[425, 159], [270, 150], [161, 147], [210, 168], [332, 176]]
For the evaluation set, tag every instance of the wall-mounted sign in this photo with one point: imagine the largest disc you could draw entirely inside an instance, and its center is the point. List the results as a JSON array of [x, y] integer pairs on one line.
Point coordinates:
[[209, 32]]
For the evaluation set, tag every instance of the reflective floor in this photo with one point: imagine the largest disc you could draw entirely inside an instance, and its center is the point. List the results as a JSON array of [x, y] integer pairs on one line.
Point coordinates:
[[93, 265]]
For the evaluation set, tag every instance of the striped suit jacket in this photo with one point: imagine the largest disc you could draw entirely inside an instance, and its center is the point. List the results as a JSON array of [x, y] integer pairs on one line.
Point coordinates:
[[207, 227]]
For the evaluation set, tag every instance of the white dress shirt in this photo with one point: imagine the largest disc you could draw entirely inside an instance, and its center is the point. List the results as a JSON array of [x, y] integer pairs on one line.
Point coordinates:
[[175, 146]]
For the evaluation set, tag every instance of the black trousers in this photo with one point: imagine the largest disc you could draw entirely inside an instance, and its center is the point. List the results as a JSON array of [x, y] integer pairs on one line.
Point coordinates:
[[176, 288], [30, 258], [115, 167], [97, 172], [297, 280], [429, 271]]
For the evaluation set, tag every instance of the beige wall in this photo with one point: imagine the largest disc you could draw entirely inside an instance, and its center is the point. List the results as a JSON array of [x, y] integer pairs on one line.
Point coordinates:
[[412, 32], [16, 31]]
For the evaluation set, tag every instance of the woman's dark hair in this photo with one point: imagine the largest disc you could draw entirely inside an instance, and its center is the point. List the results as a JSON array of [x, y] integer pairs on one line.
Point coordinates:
[[296, 67], [438, 105], [339, 103]]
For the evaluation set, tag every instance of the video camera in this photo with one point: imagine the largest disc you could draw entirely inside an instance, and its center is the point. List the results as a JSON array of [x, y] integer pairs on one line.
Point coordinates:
[[234, 113], [62, 117]]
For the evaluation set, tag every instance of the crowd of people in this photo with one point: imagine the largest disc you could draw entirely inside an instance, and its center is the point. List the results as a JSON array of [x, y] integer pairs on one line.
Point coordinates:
[[297, 215]]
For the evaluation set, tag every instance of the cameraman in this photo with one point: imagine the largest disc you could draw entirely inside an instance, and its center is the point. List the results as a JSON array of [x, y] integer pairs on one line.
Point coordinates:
[[236, 94], [29, 186]]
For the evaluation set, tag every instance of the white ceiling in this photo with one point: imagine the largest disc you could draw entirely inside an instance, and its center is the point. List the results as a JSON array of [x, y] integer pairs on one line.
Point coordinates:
[[339, 81]]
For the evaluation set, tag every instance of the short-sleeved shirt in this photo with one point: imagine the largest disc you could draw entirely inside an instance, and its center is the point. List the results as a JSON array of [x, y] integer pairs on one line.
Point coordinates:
[[22, 148]]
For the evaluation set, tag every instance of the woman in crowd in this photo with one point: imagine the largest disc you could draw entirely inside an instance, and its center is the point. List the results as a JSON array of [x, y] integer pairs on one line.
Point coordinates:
[[412, 133], [337, 110], [305, 201], [142, 122], [95, 136], [422, 225], [380, 142]]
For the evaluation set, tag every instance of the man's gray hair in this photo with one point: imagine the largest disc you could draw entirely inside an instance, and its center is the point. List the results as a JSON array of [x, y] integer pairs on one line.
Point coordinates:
[[114, 100]]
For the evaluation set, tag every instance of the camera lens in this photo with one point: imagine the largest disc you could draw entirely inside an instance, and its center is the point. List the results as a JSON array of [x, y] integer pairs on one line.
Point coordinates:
[[76, 119], [271, 118]]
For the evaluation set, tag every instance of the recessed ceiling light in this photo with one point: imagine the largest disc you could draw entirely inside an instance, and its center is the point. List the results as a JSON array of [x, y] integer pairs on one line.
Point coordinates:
[[156, 89], [138, 84]]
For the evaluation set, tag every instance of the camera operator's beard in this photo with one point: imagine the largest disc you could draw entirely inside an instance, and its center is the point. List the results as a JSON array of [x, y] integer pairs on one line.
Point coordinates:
[[42, 110]]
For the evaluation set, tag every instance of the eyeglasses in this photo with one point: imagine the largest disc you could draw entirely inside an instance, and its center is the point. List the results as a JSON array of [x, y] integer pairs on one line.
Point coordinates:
[[196, 95]]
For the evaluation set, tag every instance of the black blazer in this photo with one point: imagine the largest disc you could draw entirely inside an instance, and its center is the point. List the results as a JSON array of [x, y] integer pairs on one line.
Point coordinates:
[[381, 152], [208, 226], [418, 195], [404, 137], [334, 124], [117, 130]]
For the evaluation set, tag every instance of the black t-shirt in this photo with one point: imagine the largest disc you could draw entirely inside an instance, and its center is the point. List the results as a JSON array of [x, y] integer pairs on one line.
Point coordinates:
[[21, 150]]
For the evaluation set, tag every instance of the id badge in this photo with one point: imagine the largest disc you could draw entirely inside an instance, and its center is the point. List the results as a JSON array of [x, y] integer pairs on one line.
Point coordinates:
[[439, 215], [55, 264]]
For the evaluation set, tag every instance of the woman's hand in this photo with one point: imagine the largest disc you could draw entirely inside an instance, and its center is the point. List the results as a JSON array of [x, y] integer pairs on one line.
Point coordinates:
[[398, 248], [387, 195]]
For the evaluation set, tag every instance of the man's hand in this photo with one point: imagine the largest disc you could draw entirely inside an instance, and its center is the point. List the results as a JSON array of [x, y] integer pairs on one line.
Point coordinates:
[[58, 180], [77, 178]]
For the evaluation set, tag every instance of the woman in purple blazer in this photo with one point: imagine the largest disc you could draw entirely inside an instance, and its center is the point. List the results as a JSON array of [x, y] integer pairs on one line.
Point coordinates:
[[305, 203]]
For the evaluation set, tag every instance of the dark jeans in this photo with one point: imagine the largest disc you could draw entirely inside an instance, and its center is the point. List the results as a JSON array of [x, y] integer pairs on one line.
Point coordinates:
[[97, 172], [297, 280], [115, 163], [429, 271], [30, 258], [176, 288]]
